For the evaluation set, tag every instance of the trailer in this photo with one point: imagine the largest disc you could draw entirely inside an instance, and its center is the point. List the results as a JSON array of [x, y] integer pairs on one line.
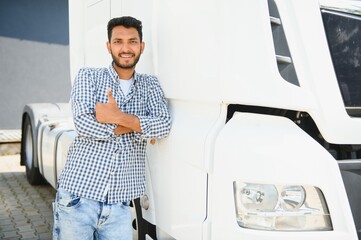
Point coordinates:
[[265, 97]]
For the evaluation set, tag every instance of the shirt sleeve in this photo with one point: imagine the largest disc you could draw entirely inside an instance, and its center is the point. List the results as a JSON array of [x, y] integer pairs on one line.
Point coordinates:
[[157, 122], [83, 100]]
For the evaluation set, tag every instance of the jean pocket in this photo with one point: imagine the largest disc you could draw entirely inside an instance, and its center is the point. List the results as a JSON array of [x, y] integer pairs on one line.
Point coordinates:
[[66, 199]]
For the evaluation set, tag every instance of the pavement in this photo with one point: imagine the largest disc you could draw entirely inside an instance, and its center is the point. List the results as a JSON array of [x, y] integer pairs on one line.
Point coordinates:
[[25, 210]]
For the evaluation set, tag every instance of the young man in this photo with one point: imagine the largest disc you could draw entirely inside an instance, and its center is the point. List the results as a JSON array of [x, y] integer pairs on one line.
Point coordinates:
[[115, 111]]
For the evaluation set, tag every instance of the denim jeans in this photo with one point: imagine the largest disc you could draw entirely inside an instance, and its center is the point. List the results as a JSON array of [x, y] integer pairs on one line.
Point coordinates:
[[83, 219]]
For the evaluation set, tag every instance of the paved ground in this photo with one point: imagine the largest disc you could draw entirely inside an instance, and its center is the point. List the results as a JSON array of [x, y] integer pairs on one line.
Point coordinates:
[[25, 210]]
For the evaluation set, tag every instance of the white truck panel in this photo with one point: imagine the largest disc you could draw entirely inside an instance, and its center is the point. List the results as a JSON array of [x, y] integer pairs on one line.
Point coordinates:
[[183, 210], [63, 145], [97, 16], [248, 49], [283, 154], [76, 37], [188, 64], [52, 151]]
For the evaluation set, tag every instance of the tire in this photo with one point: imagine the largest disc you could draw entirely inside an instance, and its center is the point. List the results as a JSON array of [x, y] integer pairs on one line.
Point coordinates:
[[141, 227], [28, 156]]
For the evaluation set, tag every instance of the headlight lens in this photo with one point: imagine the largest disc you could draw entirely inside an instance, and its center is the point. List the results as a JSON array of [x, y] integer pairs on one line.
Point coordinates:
[[259, 196], [281, 207], [292, 197]]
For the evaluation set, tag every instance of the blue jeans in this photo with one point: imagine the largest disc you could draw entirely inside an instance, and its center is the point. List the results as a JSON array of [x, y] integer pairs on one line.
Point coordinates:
[[83, 219]]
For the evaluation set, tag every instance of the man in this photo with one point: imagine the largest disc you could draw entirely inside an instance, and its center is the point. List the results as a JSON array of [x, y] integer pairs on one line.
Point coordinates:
[[115, 111]]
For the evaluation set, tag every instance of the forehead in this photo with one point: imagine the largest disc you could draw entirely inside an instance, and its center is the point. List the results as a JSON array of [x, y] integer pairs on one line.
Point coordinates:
[[121, 32]]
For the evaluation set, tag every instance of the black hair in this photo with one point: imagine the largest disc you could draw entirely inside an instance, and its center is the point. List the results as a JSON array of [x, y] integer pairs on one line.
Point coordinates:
[[127, 22]]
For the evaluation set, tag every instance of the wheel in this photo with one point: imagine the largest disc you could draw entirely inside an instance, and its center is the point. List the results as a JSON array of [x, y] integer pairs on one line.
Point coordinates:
[[28, 156], [141, 227]]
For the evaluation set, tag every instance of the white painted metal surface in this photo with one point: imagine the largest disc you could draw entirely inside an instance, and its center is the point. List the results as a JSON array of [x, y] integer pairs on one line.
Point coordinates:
[[283, 154]]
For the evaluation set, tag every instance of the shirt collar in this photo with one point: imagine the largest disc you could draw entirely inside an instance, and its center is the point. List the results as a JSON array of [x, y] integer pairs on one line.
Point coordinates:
[[114, 74]]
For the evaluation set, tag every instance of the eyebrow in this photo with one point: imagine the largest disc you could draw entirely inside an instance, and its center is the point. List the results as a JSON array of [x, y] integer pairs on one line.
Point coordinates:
[[133, 38]]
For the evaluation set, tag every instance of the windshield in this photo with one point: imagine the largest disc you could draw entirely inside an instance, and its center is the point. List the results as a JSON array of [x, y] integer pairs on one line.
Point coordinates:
[[343, 30]]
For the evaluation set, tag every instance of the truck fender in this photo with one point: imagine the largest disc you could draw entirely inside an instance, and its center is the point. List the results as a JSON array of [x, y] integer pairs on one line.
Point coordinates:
[[36, 112], [265, 149]]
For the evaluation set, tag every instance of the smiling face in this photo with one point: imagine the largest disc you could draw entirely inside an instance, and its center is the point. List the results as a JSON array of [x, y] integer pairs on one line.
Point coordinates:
[[125, 47]]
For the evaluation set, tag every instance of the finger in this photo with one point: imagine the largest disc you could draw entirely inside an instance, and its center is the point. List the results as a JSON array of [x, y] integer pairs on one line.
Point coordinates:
[[110, 95]]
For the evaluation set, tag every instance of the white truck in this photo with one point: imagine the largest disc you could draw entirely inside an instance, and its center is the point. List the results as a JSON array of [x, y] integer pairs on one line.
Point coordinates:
[[265, 97]]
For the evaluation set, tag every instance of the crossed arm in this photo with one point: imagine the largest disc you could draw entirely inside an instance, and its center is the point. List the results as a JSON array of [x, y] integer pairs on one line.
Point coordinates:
[[96, 120], [110, 113]]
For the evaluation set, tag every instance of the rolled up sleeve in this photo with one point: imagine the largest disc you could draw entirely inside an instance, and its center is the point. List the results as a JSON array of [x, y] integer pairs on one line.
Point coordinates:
[[157, 123]]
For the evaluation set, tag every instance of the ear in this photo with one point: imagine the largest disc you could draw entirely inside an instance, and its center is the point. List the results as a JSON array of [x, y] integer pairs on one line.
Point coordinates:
[[142, 46], [108, 47]]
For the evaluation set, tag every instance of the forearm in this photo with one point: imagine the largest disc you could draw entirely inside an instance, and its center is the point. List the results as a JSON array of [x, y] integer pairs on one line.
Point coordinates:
[[87, 126], [128, 121]]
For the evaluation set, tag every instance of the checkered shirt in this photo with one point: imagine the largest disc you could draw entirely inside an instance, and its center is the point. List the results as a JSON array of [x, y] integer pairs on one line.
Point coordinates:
[[103, 166]]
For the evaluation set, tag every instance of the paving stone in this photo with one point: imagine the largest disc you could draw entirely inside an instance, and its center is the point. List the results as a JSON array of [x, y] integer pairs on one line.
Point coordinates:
[[7, 228], [27, 228], [39, 223], [3, 215], [13, 238], [17, 212], [44, 229], [28, 235], [24, 222], [10, 234], [25, 210], [19, 218], [32, 213], [45, 236], [5, 222]]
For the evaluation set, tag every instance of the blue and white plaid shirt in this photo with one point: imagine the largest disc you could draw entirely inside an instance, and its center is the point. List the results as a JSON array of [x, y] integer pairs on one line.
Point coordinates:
[[103, 166]]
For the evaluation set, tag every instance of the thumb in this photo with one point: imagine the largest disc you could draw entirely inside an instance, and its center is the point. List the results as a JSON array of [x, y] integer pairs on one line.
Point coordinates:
[[110, 96]]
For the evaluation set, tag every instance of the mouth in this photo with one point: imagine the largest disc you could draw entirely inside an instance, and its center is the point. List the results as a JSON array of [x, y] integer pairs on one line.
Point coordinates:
[[126, 55]]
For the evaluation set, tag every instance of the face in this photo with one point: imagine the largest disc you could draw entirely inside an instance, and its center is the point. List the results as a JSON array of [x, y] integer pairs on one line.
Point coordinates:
[[125, 47]]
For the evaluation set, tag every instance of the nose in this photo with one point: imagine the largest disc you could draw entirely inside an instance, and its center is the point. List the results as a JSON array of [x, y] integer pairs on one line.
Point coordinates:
[[125, 47]]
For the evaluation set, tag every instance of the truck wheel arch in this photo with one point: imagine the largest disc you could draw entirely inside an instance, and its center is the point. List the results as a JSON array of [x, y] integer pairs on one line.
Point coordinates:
[[32, 114]]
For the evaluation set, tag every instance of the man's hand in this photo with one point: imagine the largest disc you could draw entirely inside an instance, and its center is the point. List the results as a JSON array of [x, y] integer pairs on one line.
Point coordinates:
[[110, 113], [119, 130], [107, 112]]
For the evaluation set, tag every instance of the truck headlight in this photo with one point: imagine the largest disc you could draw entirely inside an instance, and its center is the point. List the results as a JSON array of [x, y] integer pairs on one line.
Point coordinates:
[[281, 207]]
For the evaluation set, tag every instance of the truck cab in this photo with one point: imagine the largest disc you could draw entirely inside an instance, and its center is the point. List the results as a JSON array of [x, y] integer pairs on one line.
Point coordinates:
[[265, 97]]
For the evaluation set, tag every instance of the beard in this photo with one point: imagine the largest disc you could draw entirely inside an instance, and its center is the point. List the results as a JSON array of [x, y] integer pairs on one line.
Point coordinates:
[[130, 65]]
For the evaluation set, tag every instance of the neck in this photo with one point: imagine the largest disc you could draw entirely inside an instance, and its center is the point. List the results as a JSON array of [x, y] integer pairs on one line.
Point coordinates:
[[124, 73]]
